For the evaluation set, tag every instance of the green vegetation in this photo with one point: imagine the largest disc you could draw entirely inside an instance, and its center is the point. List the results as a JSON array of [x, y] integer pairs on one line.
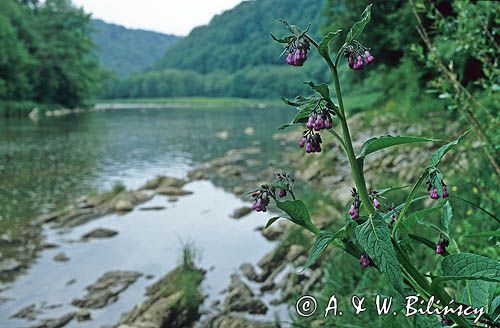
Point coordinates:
[[46, 54], [125, 51], [233, 56]]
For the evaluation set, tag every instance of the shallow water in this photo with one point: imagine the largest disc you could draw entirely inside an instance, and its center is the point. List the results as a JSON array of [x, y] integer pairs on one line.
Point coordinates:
[[56, 160]]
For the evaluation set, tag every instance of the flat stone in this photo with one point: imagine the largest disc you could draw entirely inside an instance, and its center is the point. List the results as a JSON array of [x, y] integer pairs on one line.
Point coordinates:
[[9, 264], [241, 212], [61, 257], [100, 233], [152, 208], [57, 322], [83, 315], [106, 289], [249, 271], [123, 206], [172, 191]]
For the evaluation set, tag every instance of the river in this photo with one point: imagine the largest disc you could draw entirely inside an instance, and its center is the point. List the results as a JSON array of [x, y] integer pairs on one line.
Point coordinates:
[[48, 163]]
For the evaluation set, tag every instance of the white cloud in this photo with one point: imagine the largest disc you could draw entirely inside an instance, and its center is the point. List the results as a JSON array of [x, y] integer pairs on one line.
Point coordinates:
[[168, 16]]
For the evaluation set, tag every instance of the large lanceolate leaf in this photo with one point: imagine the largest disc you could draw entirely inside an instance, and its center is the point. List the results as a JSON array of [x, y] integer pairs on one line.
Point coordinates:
[[466, 265], [323, 45], [323, 239], [438, 154], [487, 234], [298, 212], [375, 238], [358, 27], [374, 144]]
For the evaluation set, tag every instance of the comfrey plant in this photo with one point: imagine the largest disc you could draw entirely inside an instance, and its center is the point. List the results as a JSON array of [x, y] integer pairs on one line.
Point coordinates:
[[378, 234]]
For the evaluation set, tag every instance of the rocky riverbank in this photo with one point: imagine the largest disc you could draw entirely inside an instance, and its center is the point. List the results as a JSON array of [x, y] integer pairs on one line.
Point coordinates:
[[275, 276]]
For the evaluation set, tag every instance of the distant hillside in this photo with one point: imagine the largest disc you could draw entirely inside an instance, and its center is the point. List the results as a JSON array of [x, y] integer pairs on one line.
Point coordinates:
[[240, 37], [125, 51], [232, 56]]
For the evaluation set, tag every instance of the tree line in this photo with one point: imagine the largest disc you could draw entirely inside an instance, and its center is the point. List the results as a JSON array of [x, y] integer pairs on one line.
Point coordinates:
[[46, 54]]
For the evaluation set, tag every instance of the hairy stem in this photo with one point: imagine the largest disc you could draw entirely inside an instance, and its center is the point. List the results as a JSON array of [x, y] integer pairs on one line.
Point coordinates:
[[356, 168]]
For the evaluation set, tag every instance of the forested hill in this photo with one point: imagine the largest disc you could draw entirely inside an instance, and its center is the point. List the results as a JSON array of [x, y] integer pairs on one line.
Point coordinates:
[[231, 56], [124, 51], [240, 37]]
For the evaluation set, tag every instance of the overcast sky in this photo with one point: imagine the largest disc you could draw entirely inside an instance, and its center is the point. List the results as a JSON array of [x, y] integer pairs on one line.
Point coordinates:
[[168, 16]]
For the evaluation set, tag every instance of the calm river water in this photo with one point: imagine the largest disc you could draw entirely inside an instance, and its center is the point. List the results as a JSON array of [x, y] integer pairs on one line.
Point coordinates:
[[53, 161]]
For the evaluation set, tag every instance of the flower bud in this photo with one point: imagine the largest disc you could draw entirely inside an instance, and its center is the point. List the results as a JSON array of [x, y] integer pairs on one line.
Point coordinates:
[[365, 261], [308, 147], [369, 58], [441, 246], [354, 212], [302, 142], [445, 192], [328, 122], [310, 122], [290, 59], [282, 193], [376, 203], [434, 193]]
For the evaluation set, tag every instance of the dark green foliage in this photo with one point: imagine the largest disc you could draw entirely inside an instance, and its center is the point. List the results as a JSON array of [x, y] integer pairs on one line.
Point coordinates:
[[46, 53], [125, 51]]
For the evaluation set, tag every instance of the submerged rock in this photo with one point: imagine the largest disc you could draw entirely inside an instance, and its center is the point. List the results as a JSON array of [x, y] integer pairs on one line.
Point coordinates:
[[29, 312], [100, 233], [106, 289]]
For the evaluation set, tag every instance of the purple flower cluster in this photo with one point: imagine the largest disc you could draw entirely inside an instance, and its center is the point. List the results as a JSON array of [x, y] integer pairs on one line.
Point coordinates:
[[365, 261], [358, 56], [319, 121], [297, 55], [433, 192], [260, 200], [354, 209], [441, 246], [311, 141]]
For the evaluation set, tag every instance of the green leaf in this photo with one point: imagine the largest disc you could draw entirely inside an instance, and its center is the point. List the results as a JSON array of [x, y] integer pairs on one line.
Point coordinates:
[[418, 215], [495, 233], [446, 217], [286, 40], [391, 189], [322, 89], [358, 27], [375, 238], [438, 154], [298, 212], [323, 45], [271, 221], [323, 239], [472, 265], [374, 144], [287, 125]]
